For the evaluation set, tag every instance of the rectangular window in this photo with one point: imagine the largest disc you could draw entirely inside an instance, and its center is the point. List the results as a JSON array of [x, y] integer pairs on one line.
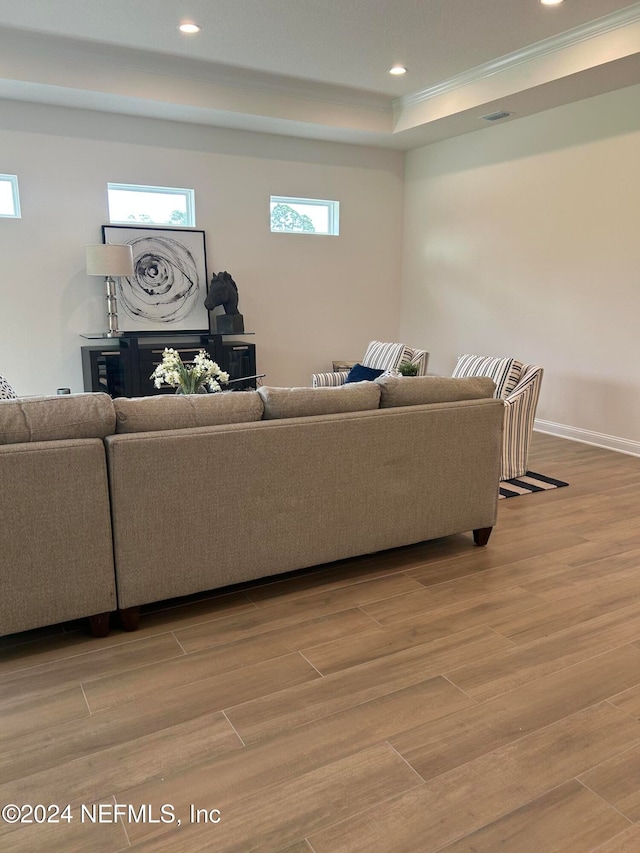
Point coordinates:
[[9, 198], [129, 203], [305, 215]]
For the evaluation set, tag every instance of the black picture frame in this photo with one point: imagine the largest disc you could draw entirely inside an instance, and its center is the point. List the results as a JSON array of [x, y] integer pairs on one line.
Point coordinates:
[[169, 284]]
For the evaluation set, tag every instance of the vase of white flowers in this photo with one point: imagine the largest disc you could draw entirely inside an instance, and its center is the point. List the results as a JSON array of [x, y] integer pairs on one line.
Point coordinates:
[[195, 377]]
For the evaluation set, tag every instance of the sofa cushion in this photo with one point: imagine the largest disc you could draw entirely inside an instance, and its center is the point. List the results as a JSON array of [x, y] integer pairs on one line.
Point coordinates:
[[386, 356], [420, 390], [53, 418], [360, 373], [505, 372], [180, 411], [302, 402]]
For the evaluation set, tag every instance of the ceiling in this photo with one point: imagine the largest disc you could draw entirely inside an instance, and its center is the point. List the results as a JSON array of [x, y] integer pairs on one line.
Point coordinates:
[[319, 68]]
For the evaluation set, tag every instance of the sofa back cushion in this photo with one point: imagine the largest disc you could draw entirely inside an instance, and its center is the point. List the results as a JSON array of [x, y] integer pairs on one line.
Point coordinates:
[[420, 390], [180, 411], [303, 402], [28, 419]]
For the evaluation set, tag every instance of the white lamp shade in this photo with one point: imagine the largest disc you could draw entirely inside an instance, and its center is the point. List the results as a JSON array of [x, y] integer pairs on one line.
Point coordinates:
[[109, 259]]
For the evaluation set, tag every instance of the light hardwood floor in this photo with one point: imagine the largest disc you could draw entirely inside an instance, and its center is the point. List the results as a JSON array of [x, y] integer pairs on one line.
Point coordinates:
[[440, 697]]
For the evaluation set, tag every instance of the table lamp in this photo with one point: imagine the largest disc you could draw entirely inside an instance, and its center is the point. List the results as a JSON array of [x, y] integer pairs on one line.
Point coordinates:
[[109, 260]]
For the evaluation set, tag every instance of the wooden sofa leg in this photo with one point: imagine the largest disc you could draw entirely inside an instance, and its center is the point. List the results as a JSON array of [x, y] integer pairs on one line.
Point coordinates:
[[99, 624], [481, 535], [130, 618]]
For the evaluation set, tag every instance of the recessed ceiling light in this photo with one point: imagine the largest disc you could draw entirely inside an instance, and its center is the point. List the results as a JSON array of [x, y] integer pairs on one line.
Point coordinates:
[[398, 69], [551, 2], [189, 28]]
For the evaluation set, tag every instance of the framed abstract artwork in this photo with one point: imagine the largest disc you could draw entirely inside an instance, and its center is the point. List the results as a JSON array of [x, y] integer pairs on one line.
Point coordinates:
[[168, 287]]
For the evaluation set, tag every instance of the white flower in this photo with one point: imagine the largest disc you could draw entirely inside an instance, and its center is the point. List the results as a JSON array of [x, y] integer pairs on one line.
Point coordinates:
[[173, 372]]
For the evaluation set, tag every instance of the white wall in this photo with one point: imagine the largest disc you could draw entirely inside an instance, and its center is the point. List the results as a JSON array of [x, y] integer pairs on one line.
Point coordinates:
[[308, 298], [522, 239]]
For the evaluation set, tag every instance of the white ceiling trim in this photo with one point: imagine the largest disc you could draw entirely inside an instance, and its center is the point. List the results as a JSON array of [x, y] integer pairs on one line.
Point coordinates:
[[611, 39], [591, 59], [561, 42]]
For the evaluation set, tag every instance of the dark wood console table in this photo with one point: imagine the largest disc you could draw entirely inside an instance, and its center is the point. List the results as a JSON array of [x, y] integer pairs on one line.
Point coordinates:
[[122, 366]]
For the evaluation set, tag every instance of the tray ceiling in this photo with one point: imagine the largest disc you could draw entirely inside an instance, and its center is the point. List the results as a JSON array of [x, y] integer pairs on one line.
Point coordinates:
[[319, 68]]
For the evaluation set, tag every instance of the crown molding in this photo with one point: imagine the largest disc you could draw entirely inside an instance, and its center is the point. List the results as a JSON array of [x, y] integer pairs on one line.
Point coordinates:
[[562, 41]]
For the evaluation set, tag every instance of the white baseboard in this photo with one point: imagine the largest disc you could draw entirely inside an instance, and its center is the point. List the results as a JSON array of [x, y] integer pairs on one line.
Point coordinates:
[[587, 436]]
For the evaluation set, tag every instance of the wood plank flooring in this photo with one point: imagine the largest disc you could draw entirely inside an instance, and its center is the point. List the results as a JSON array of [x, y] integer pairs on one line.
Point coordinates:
[[439, 697]]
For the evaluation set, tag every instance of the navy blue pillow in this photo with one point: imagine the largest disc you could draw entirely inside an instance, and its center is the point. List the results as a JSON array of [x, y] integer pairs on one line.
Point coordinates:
[[360, 373]]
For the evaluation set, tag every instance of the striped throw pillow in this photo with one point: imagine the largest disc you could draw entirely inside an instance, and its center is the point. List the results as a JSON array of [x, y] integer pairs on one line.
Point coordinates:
[[505, 372], [384, 356]]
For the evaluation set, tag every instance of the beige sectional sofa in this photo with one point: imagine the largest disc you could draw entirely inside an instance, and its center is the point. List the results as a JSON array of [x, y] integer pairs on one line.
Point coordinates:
[[211, 490], [56, 551]]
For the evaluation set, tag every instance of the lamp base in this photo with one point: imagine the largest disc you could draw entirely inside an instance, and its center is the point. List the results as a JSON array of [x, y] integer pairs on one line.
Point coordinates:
[[112, 308]]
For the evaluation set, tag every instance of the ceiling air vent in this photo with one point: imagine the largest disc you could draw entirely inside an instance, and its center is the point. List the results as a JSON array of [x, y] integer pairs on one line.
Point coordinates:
[[496, 116]]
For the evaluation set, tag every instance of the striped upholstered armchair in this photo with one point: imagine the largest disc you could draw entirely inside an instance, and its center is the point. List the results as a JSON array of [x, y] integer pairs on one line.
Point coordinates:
[[379, 356], [518, 385]]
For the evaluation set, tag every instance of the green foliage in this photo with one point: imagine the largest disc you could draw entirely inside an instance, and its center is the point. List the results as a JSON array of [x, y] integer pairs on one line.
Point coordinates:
[[408, 369], [285, 218], [178, 217]]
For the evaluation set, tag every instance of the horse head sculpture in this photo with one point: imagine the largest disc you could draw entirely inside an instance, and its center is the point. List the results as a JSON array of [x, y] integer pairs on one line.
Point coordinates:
[[222, 291]]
